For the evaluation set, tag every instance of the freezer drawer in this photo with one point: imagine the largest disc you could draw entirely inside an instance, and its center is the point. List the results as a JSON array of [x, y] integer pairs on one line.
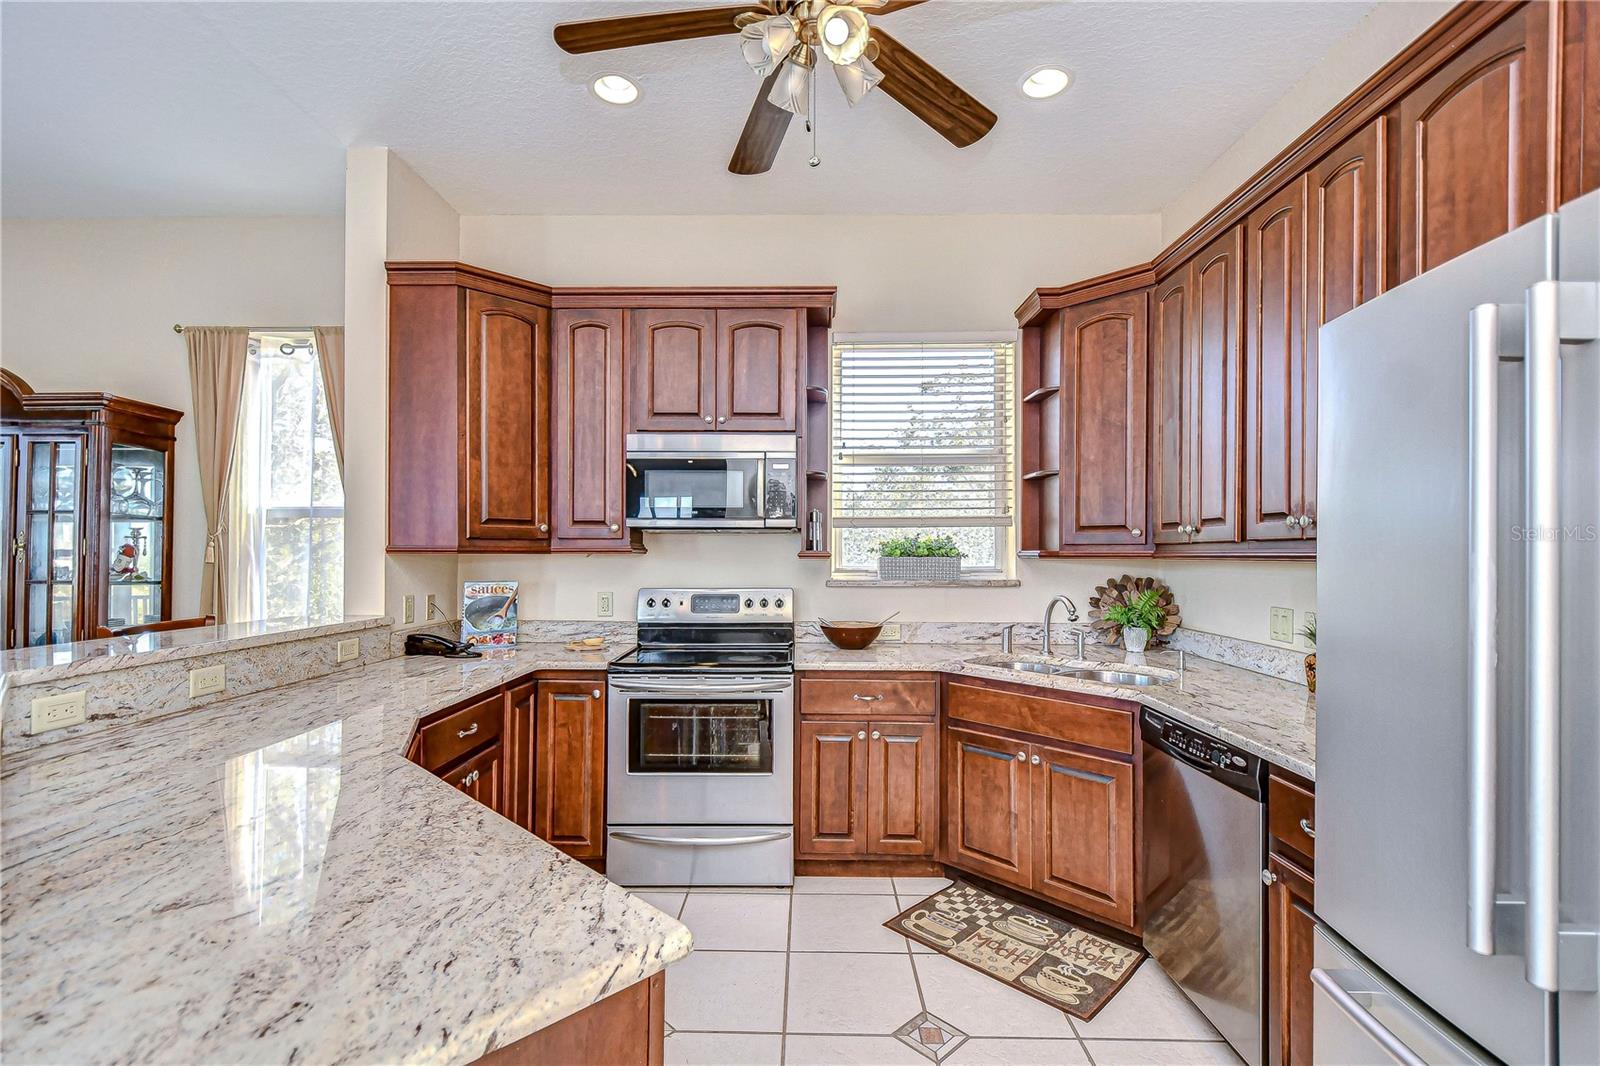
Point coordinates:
[[1361, 1018], [700, 854]]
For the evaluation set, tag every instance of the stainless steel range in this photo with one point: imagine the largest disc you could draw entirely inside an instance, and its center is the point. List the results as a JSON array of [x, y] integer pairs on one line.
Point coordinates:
[[700, 741]]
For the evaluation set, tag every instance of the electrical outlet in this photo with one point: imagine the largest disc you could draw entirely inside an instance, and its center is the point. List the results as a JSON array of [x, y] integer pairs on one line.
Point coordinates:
[[408, 609], [605, 607], [1310, 623], [349, 648], [891, 631], [208, 680], [1281, 627], [431, 605], [59, 711]]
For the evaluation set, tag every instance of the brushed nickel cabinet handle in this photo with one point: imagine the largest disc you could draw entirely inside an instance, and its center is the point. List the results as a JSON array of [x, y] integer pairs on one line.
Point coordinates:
[[861, 735], [1022, 756], [470, 779], [876, 735], [866, 699], [544, 527], [1136, 533], [721, 419], [1307, 829], [708, 420], [1034, 761], [467, 732], [615, 527], [595, 693]]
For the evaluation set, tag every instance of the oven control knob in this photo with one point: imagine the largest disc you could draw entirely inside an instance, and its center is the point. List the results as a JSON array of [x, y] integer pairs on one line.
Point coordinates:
[[763, 603], [651, 602], [778, 604], [749, 603], [666, 603]]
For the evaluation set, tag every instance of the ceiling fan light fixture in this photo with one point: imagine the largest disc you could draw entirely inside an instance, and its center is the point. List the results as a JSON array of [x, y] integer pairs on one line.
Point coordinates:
[[792, 89], [857, 79], [768, 41], [615, 89], [1045, 82], [842, 32]]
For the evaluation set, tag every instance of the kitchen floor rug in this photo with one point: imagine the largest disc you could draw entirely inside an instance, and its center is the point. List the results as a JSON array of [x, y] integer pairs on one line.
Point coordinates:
[[1047, 957]]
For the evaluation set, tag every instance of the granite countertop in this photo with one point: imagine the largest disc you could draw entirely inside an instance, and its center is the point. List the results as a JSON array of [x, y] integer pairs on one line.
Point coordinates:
[[268, 879], [1274, 719]]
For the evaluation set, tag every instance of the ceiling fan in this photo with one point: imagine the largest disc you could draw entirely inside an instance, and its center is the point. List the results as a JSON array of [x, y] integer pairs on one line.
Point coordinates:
[[781, 40]]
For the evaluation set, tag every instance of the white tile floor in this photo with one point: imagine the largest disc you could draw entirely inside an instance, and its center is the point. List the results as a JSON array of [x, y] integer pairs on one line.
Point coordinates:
[[810, 977]]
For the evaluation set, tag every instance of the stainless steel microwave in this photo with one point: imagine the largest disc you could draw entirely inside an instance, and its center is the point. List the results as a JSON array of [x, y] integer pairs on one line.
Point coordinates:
[[712, 481]]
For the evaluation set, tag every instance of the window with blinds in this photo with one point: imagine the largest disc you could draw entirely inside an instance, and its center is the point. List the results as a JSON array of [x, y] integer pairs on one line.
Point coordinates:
[[922, 443]]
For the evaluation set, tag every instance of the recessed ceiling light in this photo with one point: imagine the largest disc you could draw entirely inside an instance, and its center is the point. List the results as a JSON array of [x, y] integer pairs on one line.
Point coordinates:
[[615, 89], [1045, 82]]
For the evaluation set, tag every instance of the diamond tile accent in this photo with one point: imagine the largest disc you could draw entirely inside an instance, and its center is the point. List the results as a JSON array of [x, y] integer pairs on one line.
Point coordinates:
[[930, 1036]]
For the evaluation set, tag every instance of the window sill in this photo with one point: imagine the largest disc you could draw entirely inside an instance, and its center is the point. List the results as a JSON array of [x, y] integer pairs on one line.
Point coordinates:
[[963, 583]]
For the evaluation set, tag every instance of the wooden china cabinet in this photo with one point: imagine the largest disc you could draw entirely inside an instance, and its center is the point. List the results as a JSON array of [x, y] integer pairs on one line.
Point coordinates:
[[85, 511]]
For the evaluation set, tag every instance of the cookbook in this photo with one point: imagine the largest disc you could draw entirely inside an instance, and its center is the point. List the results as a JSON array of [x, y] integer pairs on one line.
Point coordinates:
[[489, 612]]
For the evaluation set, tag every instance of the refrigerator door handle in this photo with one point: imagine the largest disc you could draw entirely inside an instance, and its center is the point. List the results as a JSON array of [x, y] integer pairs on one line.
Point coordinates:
[[1490, 341]]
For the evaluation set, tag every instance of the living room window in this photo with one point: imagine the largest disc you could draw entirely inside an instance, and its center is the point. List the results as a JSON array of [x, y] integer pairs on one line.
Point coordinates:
[[923, 444], [286, 516]]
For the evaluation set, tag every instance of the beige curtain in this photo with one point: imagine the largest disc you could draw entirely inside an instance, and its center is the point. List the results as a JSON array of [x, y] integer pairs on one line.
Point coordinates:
[[217, 358], [330, 353]]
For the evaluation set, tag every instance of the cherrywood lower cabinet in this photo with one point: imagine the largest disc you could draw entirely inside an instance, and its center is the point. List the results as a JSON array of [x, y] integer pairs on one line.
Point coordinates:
[[1041, 793], [1291, 899], [533, 751], [867, 788], [627, 1028]]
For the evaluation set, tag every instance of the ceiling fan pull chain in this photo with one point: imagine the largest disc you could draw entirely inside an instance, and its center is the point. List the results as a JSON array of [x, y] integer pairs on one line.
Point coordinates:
[[811, 125]]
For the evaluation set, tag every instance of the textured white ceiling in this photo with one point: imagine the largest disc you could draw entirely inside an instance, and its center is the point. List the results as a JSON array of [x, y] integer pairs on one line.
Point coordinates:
[[118, 109]]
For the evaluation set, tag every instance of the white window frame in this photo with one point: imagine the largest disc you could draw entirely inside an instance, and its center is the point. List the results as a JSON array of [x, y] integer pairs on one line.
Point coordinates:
[[1006, 534]]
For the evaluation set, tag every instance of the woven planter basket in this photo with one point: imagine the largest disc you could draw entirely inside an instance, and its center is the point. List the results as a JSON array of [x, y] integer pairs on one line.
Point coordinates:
[[919, 568]]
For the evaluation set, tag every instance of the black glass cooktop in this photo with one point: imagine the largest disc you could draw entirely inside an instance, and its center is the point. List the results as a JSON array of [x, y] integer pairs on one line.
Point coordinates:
[[774, 658]]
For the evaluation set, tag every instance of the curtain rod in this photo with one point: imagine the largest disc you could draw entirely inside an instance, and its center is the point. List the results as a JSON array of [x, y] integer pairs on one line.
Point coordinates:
[[271, 329]]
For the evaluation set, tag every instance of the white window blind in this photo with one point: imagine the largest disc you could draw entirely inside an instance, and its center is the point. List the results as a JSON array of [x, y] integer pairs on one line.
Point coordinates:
[[922, 434]]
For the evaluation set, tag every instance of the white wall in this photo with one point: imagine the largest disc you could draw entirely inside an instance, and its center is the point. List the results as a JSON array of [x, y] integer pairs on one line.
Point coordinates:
[[1378, 38], [894, 274], [90, 304]]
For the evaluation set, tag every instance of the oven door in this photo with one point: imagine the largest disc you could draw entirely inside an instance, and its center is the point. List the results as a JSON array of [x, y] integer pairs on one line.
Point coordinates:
[[700, 750], [701, 490]]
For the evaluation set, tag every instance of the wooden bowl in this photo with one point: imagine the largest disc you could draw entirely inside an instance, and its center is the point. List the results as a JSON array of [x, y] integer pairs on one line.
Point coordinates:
[[852, 636]]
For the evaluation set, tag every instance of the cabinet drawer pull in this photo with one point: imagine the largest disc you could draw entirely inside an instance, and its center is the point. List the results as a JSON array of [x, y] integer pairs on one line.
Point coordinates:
[[1022, 756], [470, 779], [595, 693], [876, 735], [1035, 760], [708, 420], [861, 735], [615, 528], [1136, 533], [866, 699], [1307, 829], [544, 527], [467, 732]]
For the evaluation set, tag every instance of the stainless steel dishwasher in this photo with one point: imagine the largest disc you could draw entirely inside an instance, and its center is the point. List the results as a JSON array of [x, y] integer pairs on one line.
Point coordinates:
[[1203, 898]]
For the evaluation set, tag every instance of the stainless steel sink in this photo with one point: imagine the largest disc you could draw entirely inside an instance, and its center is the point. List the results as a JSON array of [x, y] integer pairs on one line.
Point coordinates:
[[1036, 668], [1109, 677]]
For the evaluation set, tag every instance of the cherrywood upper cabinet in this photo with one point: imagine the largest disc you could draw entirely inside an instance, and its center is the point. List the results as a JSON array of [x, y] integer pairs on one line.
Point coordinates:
[[757, 352], [1105, 359], [1083, 831], [508, 405], [570, 747], [673, 352], [988, 810], [1579, 158], [903, 788], [588, 428], [469, 408], [831, 820], [1196, 399], [521, 720], [1473, 146]]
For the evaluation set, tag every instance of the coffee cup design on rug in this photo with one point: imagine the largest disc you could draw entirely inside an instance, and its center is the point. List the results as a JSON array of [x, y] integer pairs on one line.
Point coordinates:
[[1027, 928], [936, 926], [1059, 983]]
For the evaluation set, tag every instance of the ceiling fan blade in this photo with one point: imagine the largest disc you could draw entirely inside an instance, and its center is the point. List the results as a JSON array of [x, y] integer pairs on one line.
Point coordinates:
[[763, 133], [889, 7], [623, 31], [954, 114]]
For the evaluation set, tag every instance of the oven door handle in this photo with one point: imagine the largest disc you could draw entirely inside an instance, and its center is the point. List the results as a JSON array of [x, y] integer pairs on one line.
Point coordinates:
[[699, 842], [776, 688]]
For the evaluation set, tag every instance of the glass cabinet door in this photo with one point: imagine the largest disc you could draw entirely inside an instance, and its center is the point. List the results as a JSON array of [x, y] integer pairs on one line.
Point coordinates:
[[138, 535], [51, 517]]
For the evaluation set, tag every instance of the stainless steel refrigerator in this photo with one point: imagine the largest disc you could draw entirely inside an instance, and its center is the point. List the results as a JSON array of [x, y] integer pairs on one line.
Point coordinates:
[[1458, 709]]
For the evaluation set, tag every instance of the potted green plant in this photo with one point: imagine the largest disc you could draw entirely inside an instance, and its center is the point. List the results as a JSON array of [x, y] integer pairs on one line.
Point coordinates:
[[1309, 631], [1139, 617], [919, 557]]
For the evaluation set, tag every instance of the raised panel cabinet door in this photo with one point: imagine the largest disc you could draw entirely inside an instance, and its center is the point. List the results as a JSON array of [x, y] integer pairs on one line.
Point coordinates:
[[521, 769], [1083, 832], [1473, 144], [672, 353], [902, 788], [1275, 366], [833, 789], [1580, 99], [1344, 266], [588, 432], [507, 418], [1290, 927], [1105, 402], [570, 748], [757, 354], [1169, 450], [482, 776], [1214, 383], [987, 810]]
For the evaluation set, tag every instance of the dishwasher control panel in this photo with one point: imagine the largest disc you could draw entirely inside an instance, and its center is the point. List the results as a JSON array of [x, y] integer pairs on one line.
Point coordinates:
[[1233, 766]]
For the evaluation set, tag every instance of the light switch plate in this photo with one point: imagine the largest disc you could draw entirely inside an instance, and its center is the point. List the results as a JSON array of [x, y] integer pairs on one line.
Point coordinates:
[[1282, 625], [605, 606], [408, 609], [208, 680], [59, 711], [349, 648]]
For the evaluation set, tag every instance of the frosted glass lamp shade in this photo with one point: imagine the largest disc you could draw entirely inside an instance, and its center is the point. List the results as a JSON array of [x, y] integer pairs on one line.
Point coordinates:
[[857, 79], [766, 43]]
